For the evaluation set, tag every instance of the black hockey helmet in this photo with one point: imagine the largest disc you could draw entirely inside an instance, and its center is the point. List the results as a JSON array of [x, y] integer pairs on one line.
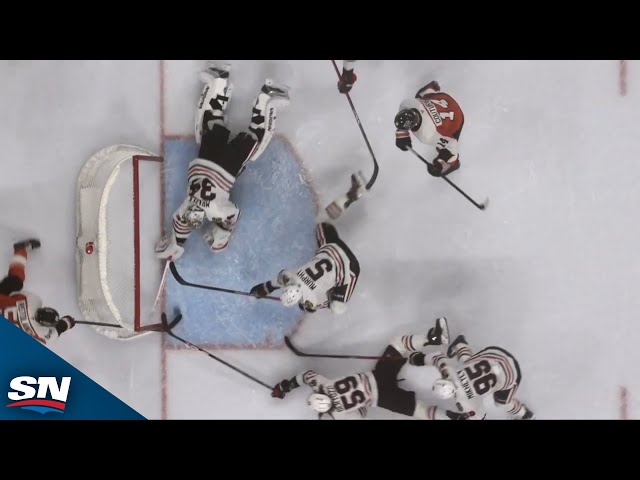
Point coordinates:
[[47, 317], [407, 119]]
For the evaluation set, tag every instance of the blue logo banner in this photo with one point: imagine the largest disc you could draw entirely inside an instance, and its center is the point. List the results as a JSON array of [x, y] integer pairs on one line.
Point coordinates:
[[36, 384]]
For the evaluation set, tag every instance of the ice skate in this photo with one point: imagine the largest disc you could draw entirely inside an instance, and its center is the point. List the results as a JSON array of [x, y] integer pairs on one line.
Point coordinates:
[[29, 244], [272, 96], [214, 98], [439, 335]]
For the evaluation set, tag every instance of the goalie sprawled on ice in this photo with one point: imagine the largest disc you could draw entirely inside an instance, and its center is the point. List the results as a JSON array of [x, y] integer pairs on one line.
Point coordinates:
[[211, 176]]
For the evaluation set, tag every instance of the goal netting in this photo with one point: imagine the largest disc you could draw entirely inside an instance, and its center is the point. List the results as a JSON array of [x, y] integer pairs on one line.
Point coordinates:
[[119, 219]]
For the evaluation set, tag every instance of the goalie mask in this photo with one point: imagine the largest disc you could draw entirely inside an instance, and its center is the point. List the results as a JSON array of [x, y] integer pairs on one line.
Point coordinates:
[[194, 216], [47, 317], [407, 119]]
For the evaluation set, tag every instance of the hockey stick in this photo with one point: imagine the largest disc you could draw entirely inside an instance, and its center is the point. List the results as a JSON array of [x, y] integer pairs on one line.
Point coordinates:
[[98, 324], [297, 352], [167, 327], [481, 206], [355, 114], [182, 281]]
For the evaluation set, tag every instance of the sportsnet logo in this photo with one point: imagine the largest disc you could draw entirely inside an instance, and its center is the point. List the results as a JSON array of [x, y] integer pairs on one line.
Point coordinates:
[[28, 398]]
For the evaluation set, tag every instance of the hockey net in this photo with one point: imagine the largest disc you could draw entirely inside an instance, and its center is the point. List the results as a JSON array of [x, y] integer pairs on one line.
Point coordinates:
[[119, 201]]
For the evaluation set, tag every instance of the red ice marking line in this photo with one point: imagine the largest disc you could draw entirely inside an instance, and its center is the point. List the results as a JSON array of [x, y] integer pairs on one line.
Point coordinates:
[[624, 403], [163, 342], [623, 77]]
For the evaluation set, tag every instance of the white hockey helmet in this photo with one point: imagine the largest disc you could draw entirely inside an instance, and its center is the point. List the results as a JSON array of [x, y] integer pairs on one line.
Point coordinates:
[[319, 402], [291, 295], [444, 389]]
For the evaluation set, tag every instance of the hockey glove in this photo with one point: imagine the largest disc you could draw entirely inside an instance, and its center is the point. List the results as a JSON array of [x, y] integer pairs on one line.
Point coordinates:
[[347, 80], [64, 324], [403, 140], [435, 168], [529, 415], [429, 88], [459, 416], [307, 307], [417, 359], [260, 290], [451, 351], [284, 387]]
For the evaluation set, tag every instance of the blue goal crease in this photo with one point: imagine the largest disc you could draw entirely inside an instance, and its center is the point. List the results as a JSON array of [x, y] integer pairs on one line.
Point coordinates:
[[276, 230]]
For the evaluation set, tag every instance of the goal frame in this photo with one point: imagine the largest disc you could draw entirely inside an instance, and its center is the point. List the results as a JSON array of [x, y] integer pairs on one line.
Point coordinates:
[[97, 178]]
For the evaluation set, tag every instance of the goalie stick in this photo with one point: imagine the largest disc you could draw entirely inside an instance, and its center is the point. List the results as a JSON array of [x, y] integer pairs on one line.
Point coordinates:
[[481, 206], [297, 352], [167, 328], [182, 281], [372, 180]]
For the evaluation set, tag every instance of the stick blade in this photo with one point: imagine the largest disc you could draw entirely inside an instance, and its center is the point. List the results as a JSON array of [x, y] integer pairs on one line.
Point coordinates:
[[484, 205], [290, 345]]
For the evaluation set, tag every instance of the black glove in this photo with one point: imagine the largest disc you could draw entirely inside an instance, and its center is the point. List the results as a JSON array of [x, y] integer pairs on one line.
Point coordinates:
[[433, 85], [417, 359], [459, 416], [306, 307], [259, 290], [64, 324], [529, 415], [403, 140], [347, 80], [459, 339], [435, 168], [284, 387]]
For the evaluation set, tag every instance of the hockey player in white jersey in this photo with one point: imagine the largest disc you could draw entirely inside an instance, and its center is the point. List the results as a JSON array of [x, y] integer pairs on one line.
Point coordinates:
[[351, 396], [329, 279], [24, 309], [348, 77], [435, 119], [212, 175], [468, 379]]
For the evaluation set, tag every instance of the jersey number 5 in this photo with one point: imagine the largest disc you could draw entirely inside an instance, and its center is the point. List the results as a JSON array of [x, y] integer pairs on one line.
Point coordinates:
[[320, 272], [205, 187], [480, 374], [343, 387]]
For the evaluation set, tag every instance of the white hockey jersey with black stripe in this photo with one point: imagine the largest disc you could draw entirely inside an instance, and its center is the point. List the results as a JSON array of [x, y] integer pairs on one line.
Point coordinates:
[[350, 395]]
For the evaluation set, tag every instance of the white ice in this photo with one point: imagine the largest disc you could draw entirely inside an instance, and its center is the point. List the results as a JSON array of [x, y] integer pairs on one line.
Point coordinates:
[[548, 272]]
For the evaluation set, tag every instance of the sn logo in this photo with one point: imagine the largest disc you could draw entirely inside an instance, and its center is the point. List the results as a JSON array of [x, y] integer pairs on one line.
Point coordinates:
[[28, 398]]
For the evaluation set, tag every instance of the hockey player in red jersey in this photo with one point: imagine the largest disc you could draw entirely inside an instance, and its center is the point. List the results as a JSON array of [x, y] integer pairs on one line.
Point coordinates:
[[469, 378], [350, 397], [348, 77], [220, 162], [436, 119], [25, 309]]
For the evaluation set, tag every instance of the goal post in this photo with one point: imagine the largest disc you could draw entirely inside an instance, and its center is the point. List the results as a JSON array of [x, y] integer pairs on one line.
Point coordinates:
[[119, 212]]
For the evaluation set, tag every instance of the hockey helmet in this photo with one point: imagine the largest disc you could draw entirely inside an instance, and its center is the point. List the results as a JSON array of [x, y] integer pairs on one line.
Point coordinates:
[[407, 119], [444, 389], [291, 295], [319, 402], [47, 317]]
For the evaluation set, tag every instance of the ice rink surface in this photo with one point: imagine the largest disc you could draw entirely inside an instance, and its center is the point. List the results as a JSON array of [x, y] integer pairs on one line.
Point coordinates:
[[548, 272]]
